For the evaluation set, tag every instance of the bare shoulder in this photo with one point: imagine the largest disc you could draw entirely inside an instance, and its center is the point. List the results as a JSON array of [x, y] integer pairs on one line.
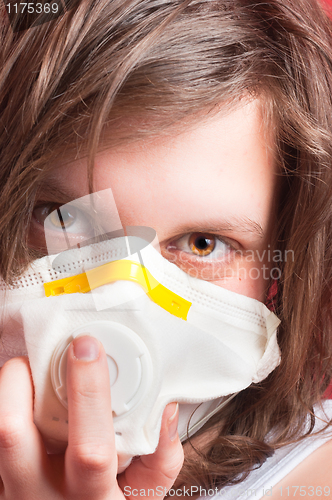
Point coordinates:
[[311, 478]]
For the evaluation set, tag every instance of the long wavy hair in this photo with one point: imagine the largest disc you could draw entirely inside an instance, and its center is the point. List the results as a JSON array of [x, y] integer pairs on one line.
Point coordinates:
[[115, 71]]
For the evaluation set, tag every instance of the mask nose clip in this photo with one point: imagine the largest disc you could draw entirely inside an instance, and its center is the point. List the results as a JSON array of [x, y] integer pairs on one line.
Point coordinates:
[[121, 270], [129, 363]]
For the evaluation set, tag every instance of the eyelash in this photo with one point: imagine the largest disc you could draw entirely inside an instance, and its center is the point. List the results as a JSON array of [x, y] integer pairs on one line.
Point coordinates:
[[202, 267], [195, 244], [41, 211]]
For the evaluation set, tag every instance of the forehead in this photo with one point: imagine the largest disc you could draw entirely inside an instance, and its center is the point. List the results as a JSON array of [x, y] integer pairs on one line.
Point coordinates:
[[222, 166]]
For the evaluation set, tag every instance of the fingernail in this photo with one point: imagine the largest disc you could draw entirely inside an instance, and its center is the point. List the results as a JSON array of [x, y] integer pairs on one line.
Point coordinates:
[[86, 348], [173, 423]]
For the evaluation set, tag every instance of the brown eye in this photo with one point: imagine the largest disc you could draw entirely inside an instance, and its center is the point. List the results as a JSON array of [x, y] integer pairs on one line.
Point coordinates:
[[66, 218], [42, 211], [202, 244], [63, 218]]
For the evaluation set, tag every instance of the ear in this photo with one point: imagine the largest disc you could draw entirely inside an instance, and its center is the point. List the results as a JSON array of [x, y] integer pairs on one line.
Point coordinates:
[[271, 296]]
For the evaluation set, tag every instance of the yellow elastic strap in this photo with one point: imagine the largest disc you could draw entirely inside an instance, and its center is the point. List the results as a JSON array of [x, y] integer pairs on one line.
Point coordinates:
[[121, 270]]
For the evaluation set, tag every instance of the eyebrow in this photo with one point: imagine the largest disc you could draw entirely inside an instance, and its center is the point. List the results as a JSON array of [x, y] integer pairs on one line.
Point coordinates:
[[57, 192], [234, 224], [62, 193]]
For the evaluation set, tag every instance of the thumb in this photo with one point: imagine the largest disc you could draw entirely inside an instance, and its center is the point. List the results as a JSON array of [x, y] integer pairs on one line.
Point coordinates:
[[160, 469]]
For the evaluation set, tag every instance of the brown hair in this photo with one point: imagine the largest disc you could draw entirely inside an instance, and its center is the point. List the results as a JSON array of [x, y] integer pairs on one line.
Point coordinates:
[[120, 70]]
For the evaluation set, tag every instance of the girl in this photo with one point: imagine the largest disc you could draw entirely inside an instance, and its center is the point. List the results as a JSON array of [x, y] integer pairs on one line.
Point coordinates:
[[210, 121]]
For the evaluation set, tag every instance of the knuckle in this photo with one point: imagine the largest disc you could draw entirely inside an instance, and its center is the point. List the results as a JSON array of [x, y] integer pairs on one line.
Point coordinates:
[[12, 431], [86, 396], [91, 460], [172, 469], [167, 467]]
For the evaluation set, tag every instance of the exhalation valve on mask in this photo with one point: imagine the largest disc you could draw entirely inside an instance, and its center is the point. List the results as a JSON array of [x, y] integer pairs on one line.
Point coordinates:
[[168, 336]]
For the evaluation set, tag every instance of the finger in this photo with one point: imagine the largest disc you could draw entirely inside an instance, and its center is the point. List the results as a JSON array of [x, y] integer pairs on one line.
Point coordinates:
[[90, 460], [23, 458], [157, 471]]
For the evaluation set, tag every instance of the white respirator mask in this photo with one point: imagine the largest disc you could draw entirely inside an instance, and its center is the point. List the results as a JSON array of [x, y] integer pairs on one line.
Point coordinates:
[[168, 336]]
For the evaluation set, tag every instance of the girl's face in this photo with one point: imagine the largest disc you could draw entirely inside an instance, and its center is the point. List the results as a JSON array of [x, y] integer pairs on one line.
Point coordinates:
[[209, 193]]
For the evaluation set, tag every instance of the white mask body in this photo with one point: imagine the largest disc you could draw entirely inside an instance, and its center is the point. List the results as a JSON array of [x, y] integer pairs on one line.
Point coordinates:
[[227, 342]]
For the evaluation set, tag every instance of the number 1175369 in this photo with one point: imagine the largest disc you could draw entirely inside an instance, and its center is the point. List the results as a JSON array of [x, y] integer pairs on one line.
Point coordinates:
[[32, 8], [303, 491]]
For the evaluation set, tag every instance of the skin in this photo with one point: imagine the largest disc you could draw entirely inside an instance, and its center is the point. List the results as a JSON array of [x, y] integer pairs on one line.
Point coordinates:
[[313, 475], [217, 178], [229, 151]]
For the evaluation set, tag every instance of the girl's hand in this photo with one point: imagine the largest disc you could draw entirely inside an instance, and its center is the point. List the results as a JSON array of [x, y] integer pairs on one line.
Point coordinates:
[[88, 469]]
